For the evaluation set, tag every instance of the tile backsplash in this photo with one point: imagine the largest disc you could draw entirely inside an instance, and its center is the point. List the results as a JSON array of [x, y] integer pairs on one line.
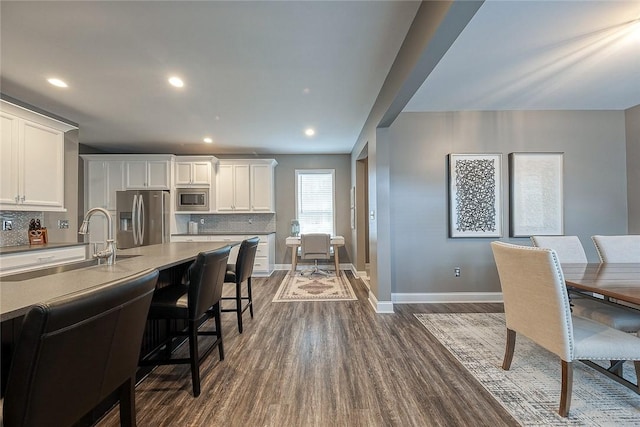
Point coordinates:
[[19, 234], [233, 223]]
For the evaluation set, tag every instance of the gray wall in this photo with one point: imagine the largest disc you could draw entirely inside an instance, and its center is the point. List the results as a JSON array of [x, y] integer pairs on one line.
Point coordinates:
[[632, 119], [285, 198], [595, 187]]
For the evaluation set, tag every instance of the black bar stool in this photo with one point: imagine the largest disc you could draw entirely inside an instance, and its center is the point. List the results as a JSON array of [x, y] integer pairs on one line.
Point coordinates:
[[238, 274]]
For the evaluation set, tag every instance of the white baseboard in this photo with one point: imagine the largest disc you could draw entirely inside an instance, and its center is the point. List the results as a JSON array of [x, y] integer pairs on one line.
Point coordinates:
[[444, 297], [381, 307]]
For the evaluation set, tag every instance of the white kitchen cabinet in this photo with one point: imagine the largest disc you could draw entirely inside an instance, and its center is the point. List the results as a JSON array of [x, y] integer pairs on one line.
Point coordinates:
[[233, 188], [265, 254], [193, 172], [34, 259], [245, 186], [31, 160], [147, 174], [102, 180]]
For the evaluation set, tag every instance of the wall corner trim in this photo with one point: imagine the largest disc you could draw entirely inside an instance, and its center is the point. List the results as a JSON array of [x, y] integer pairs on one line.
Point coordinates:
[[380, 307]]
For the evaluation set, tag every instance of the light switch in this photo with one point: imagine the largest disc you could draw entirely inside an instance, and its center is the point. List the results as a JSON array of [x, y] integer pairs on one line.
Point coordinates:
[[372, 215]]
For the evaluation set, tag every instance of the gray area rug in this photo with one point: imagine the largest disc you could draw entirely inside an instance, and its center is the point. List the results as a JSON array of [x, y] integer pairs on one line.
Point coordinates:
[[530, 390]]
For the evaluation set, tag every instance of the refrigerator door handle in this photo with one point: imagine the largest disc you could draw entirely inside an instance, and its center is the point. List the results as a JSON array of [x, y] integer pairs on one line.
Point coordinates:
[[141, 219], [134, 219]]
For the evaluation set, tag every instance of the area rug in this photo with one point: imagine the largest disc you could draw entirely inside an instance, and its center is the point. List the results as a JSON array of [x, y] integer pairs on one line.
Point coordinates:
[[530, 390], [314, 288]]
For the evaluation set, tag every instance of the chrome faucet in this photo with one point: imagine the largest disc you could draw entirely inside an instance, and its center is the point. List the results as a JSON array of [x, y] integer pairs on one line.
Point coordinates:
[[110, 251]]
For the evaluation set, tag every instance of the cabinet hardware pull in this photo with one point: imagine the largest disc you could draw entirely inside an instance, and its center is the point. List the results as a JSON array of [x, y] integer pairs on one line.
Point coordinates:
[[46, 258]]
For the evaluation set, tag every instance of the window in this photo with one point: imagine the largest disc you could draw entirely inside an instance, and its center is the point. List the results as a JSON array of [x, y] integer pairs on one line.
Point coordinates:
[[315, 200]]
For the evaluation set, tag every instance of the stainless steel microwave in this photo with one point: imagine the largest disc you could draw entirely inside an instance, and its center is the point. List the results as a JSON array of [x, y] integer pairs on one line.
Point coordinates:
[[192, 199]]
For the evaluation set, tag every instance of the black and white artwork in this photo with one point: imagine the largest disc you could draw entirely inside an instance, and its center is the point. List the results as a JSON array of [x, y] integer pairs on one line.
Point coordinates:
[[536, 194], [474, 195]]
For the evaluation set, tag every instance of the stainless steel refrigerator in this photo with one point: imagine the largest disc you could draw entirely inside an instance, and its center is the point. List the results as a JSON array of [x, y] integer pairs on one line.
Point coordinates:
[[142, 218]]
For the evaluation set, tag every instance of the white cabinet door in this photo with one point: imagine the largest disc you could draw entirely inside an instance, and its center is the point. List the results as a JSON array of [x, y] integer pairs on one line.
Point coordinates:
[[158, 174], [183, 173], [193, 174], [96, 184], [225, 188], [242, 188], [43, 166], [9, 194], [135, 172], [201, 173], [32, 160], [115, 182], [147, 175], [262, 188]]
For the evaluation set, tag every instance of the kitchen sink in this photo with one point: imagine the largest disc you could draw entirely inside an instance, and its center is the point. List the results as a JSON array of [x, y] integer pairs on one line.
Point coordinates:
[[47, 271]]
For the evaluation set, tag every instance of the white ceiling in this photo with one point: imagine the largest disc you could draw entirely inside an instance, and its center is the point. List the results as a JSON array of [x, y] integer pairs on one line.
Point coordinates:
[[540, 55], [247, 64]]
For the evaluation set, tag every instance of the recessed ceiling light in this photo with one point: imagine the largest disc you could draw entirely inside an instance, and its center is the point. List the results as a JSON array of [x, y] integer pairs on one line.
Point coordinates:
[[57, 82], [306, 91], [176, 81], [309, 132], [208, 140]]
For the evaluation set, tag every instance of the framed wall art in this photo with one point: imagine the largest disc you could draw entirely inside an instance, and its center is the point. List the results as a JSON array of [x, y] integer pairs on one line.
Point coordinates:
[[475, 194], [536, 194]]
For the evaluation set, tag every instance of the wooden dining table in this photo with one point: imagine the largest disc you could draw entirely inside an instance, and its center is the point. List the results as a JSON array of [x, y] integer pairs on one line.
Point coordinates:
[[615, 283]]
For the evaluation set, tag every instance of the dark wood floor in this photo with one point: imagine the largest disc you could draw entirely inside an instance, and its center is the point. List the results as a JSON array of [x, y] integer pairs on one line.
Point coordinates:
[[323, 364]]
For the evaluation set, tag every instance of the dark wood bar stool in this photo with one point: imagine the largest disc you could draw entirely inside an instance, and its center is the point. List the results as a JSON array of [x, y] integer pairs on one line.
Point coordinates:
[[238, 274], [75, 351], [195, 302]]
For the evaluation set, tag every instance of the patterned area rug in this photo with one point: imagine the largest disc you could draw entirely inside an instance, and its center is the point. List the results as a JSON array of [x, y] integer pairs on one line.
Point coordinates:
[[530, 390], [314, 288]]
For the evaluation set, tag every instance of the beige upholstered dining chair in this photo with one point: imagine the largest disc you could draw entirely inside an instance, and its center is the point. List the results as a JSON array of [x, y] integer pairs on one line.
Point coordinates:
[[315, 246], [536, 305], [618, 248], [570, 250]]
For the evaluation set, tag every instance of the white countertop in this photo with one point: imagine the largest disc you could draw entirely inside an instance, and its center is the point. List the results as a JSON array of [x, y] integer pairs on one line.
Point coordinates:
[[17, 296]]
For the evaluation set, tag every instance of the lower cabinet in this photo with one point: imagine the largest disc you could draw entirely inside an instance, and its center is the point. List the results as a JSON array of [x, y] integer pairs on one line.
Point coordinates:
[[264, 263], [31, 260]]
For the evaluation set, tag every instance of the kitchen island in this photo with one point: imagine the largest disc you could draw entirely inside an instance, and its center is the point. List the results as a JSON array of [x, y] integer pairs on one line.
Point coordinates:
[[20, 291], [16, 296]]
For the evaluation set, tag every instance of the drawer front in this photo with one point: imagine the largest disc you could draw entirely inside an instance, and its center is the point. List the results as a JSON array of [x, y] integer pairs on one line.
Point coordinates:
[[32, 260], [263, 250], [261, 265]]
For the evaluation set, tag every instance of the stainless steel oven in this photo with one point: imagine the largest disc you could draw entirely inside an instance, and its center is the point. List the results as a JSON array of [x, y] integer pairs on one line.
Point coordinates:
[[192, 199]]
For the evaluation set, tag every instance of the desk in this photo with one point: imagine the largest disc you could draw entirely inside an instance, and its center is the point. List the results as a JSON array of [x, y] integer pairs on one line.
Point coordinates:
[[294, 242], [619, 281]]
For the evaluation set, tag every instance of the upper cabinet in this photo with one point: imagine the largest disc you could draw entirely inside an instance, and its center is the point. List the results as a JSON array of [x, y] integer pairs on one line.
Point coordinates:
[[102, 179], [245, 186], [148, 173], [31, 160], [193, 171]]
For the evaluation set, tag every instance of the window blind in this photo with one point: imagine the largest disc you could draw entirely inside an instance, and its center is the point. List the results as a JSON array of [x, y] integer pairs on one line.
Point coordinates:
[[315, 201]]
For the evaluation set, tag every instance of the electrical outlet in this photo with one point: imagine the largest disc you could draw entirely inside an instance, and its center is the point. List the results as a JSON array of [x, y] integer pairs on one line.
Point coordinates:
[[456, 271], [202, 221], [63, 223], [7, 225], [250, 220]]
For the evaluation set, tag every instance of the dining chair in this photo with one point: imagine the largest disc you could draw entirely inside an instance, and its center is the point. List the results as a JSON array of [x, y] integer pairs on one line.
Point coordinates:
[[569, 250], [536, 305], [75, 351], [239, 273], [194, 302], [315, 246], [618, 249]]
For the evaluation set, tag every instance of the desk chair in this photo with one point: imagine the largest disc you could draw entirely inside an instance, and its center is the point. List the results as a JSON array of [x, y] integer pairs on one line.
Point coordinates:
[[239, 273], [75, 351], [536, 305], [194, 302], [620, 249], [570, 250], [315, 246]]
